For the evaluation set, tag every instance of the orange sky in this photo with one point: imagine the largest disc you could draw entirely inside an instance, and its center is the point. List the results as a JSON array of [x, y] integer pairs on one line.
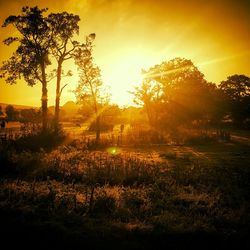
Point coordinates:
[[132, 35]]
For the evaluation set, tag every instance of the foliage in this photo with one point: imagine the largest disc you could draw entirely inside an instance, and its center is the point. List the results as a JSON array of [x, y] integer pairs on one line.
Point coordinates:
[[181, 193], [175, 93], [90, 88], [236, 87], [1, 110], [105, 203], [63, 26], [12, 113], [32, 54], [34, 141], [40, 39], [105, 126], [30, 116], [236, 90], [33, 46]]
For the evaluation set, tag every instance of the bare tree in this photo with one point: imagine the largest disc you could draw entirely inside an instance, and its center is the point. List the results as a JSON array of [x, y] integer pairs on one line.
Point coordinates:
[[90, 87]]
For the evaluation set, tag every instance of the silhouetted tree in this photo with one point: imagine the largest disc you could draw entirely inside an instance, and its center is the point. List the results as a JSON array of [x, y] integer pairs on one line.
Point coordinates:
[[174, 92], [148, 95], [64, 26], [31, 56], [90, 87], [11, 112], [236, 91], [1, 110], [236, 87], [30, 115], [215, 105]]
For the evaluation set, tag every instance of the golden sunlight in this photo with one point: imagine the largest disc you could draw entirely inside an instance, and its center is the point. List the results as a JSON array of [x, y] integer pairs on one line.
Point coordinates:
[[136, 36], [122, 72], [119, 74], [125, 124]]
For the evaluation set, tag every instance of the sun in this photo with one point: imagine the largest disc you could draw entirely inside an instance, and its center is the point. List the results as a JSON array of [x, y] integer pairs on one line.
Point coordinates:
[[122, 74]]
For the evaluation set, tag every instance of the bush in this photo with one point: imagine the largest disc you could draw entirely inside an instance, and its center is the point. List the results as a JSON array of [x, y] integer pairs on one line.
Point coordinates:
[[104, 126], [201, 139], [46, 140], [20, 164], [137, 202], [104, 204]]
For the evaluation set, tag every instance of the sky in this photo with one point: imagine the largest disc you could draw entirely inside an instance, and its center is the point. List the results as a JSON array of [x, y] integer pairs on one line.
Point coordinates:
[[136, 34]]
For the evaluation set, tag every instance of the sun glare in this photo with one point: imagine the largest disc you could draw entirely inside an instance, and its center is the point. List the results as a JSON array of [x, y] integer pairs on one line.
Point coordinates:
[[122, 73], [125, 124]]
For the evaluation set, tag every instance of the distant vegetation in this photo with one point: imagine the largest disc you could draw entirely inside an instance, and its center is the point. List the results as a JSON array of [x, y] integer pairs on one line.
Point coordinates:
[[173, 94]]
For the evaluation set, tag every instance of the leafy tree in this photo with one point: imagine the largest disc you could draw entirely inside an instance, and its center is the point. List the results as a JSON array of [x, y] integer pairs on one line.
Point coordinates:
[[90, 87], [215, 105], [174, 92], [148, 95], [31, 56], [40, 38], [236, 91], [30, 115], [236, 87], [112, 114], [64, 26], [11, 113], [1, 110]]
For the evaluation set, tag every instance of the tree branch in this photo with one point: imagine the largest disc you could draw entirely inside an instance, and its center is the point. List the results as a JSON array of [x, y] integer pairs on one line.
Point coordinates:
[[63, 88]]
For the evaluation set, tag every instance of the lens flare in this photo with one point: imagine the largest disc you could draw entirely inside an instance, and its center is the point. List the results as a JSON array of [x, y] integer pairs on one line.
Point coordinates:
[[114, 151]]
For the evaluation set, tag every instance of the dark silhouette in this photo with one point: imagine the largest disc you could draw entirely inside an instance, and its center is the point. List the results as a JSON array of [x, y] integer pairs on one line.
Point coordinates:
[[31, 56], [122, 128], [3, 123], [11, 112], [1, 110], [236, 90], [174, 92], [64, 26], [40, 38]]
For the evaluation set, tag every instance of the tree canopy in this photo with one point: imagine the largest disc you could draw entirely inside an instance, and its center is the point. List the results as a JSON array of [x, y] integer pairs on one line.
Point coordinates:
[[236, 90], [40, 39], [174, 92], [32, 54], [34, 42], [64, 26]]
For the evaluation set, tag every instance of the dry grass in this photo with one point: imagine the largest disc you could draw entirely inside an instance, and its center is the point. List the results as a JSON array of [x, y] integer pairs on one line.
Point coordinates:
[[162, 190]]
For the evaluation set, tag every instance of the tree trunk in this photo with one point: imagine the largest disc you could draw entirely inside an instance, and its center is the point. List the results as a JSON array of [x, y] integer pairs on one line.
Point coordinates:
[[149, 114], [57, 105], [98, 129], [44, 99], [97, 119]]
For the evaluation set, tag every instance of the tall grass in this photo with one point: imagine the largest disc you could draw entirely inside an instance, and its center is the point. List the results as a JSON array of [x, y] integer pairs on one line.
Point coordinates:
[[178, 193]]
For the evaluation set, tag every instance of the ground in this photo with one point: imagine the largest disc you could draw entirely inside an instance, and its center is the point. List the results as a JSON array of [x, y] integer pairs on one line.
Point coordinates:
[[134, 197]]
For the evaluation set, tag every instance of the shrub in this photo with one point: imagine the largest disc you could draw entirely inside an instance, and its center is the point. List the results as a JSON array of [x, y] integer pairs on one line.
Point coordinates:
[[137, 202], [104, 204], [41, 139]]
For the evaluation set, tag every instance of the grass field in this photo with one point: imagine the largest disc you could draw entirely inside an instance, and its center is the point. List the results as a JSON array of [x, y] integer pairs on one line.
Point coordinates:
[[179, 196]]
